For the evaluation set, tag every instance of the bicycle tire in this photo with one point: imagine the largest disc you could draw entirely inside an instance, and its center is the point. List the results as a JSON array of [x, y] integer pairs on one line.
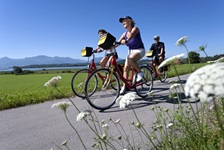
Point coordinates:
[[78, 83], [104, 97], [146, 85], [163, 76]]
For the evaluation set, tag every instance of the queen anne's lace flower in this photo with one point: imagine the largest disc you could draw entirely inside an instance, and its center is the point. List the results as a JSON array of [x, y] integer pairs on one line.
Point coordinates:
[[175, 88], [182, 41], [62, 105], [53, 81], [206, 82], [125, 100], [170, 60], [83, 115]]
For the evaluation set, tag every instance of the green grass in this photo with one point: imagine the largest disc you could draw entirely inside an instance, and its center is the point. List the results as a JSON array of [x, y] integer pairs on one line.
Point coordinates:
[[21, 90], [184, 69]]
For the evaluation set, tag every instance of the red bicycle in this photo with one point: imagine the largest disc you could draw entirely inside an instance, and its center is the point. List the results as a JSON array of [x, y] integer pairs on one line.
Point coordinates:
[[80, 77], [108, 89], [161, 73]]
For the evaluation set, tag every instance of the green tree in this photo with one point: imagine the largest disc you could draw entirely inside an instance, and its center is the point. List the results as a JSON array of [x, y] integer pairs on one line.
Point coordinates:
[[17, 70], [194, 57]]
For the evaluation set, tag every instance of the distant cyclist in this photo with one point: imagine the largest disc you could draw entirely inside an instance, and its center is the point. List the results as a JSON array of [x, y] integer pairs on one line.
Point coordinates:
[[158, 49], [109, 52]]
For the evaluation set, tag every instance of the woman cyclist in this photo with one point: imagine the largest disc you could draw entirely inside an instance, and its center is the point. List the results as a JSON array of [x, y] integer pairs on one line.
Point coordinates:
[[132, 39], [109, 52]]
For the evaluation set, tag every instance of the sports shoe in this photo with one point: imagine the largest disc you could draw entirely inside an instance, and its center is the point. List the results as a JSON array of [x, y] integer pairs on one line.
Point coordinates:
[[140, 76], [123, 90]]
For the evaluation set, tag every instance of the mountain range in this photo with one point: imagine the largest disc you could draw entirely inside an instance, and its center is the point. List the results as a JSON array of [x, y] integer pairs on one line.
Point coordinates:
[[6, 62]]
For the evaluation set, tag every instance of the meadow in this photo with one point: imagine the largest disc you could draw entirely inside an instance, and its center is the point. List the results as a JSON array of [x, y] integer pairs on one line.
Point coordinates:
[[22, 90]]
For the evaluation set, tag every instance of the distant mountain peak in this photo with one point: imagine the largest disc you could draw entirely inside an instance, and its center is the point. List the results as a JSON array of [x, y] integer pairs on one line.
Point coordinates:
[[6, 62]]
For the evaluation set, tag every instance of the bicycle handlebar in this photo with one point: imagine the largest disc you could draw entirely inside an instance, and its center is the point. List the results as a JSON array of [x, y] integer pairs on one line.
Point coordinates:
[[94, 51]]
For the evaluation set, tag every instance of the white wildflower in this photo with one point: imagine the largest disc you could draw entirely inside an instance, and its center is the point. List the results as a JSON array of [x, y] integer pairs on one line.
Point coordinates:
[[83, 115], [182, 41], [206, 82], [175, 88], [171, 60], [53, 81], [62, 105], [169, 125], [125, 100]]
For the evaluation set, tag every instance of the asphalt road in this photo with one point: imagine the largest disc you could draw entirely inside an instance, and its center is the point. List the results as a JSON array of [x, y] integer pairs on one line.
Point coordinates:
[[40, 127]]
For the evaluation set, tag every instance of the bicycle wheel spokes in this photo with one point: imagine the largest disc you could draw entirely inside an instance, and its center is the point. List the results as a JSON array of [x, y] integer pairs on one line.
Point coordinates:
[[107, 90], [78, 82], [143, 88]]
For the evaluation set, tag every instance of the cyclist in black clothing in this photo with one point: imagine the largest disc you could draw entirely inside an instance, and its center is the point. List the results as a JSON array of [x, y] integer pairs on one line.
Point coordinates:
[[158, 49]]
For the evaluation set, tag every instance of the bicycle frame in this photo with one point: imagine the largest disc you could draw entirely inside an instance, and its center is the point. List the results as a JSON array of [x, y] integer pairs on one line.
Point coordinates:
[[128, 82], [92, 67]]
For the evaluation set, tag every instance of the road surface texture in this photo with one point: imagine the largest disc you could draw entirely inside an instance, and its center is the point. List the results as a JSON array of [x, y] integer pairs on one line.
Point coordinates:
[[40, 127]]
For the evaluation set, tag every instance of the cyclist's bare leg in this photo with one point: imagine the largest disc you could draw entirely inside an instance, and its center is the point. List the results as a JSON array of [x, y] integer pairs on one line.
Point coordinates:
[[127, 68], [132, 60], [160, 59], [104, 61]]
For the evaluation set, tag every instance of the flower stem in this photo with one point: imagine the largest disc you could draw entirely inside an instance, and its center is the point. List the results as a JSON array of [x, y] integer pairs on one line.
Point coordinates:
[[146, 134], [75, 130], [189, 62], [68, 99]]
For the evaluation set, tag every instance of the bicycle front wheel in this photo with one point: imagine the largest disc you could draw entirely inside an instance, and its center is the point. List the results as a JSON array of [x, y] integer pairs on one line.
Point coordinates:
[[163, 76], [143, 88], [107, 89], [78, 83]]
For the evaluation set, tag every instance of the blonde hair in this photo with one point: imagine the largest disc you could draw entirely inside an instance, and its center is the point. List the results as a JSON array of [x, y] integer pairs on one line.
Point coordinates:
[[132, 22]]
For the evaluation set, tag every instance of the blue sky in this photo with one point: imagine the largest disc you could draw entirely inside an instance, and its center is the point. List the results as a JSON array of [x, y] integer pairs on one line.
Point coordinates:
[[63, 27]]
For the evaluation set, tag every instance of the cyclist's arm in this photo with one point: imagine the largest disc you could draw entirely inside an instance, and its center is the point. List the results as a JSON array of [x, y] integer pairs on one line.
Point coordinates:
[[134, 31], [99, 49], [162, 49]]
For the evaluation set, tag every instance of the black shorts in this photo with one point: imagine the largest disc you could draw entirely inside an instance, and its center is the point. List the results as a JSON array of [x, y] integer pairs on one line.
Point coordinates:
[[157, 59], [116, 56]]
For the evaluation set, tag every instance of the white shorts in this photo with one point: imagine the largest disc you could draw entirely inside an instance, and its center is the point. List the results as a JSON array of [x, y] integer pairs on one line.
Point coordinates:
[[140, 51]]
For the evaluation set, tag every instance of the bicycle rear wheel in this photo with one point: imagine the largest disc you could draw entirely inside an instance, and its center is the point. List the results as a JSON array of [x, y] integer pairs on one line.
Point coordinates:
[[105, 96], [78, 83], [143, 88]]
